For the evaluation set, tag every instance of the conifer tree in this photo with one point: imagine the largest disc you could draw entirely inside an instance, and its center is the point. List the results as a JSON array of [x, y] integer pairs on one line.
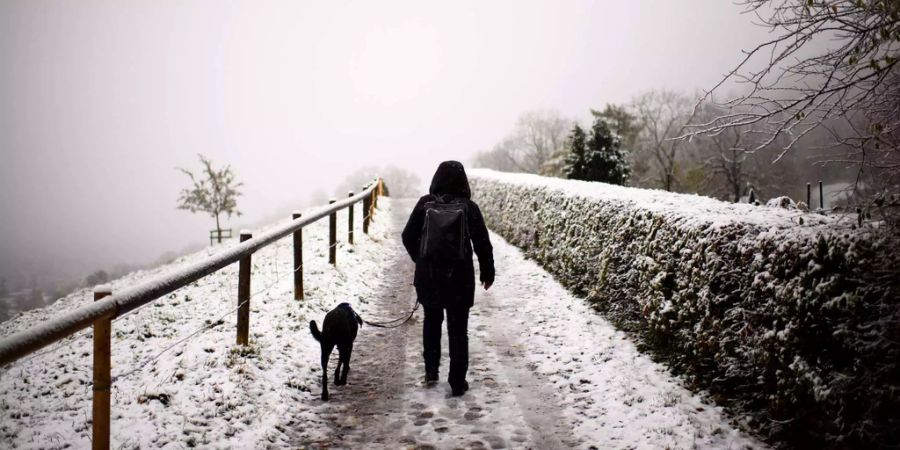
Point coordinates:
[[605, 159], [576, 164]]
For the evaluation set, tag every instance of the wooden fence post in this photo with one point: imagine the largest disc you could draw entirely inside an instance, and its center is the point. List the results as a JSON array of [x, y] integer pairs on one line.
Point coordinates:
[[350, 221], [373, 203], [332, 236], [821, 196], [375, 195], [366, 212], [809, 196], [298, 260], [102, 375], [243, 317]]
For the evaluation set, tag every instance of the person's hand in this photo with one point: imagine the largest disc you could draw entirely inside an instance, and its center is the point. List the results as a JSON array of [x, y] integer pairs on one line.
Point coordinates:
[[486, 284]]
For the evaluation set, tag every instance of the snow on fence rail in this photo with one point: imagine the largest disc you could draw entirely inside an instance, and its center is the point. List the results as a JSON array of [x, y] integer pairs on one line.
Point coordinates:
[[789, 317], [109, 306]]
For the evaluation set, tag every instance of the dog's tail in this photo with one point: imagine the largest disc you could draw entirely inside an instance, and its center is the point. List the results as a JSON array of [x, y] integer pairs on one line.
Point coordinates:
[[314, 329]]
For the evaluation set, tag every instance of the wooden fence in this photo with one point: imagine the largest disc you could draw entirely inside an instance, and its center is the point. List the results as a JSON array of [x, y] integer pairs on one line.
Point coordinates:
[[107, 306]]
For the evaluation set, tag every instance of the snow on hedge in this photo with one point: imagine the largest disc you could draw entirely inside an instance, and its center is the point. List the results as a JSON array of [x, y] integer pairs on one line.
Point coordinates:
[[786, 316], [205, 391]]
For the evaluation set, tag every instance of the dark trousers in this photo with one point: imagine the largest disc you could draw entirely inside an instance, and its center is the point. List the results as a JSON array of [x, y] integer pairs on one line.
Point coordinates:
[[457, 334]]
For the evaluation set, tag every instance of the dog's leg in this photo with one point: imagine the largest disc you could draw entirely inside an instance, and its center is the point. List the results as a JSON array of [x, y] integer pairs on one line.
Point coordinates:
[[337, 370], [345, 352], [326, 353]]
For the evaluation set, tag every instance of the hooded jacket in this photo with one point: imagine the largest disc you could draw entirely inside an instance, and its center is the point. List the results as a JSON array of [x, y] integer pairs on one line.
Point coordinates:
[[450, 182]]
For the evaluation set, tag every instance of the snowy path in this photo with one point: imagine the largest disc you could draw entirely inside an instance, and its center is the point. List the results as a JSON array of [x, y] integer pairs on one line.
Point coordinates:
[[545, 372], [358, 414]]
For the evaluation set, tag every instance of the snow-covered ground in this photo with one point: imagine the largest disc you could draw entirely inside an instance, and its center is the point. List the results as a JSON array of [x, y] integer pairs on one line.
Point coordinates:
[[205, 391], [546, 371]]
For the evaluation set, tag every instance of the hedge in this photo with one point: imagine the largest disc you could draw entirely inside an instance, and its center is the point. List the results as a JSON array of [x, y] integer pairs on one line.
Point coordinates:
[[787, 318]]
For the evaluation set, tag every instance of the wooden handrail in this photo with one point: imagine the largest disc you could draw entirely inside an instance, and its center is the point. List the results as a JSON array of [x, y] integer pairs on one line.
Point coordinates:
[[39, 336]]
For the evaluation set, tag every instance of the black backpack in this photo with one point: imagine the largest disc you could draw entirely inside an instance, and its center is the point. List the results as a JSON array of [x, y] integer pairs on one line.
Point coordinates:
[[445, 232]]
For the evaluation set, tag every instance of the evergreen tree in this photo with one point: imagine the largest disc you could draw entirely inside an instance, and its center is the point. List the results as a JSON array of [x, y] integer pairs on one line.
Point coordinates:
[[622, 123], [627, 127], [604, 157], [576, 163]]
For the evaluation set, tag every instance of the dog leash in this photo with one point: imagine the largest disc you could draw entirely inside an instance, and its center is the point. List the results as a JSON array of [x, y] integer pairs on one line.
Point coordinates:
[[387, 324]]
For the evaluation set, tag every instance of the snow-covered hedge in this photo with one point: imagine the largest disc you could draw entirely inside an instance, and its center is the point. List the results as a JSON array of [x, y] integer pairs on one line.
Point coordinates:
[[788, 317]]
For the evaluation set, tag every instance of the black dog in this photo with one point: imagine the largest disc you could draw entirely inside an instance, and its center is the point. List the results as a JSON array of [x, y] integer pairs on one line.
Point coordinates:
[[339, 328]]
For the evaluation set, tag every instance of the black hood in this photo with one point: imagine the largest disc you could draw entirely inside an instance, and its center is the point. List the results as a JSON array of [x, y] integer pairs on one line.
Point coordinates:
[[450, 178]]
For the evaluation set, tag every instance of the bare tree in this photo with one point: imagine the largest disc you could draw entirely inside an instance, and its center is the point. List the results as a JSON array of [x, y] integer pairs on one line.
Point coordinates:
[[534, 146], [794, 84], [401, 182], [728, 161], [398, 181], [723, 159], [663, 115], [501, 157], [540, 134], [723, 165], [213, 192]]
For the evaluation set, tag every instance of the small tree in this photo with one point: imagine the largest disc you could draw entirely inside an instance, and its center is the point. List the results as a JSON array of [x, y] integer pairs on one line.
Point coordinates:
[[576, 161], [213, 192], [606, 161]]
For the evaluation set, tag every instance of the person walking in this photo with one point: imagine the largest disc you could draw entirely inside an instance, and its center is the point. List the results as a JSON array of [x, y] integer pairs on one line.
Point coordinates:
[[440, 235]]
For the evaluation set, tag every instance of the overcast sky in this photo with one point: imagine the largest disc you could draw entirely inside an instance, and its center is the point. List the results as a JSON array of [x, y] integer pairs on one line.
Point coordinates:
[[100, 101]]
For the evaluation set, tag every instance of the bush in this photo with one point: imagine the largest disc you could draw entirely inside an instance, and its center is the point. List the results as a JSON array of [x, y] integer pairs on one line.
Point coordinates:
[[792, 322]]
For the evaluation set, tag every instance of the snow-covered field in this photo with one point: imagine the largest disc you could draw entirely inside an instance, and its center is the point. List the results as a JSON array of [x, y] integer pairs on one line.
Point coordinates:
[[205, 391]]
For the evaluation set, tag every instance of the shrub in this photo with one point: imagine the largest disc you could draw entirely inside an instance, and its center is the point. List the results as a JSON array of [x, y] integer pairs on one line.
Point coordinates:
[[792, 322]]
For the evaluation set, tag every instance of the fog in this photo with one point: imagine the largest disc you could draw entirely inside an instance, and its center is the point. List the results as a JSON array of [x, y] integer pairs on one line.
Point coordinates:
[[101, 101]]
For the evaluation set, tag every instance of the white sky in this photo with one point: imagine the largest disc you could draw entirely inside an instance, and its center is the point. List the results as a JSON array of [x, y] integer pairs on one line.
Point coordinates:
[[100, 101]]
